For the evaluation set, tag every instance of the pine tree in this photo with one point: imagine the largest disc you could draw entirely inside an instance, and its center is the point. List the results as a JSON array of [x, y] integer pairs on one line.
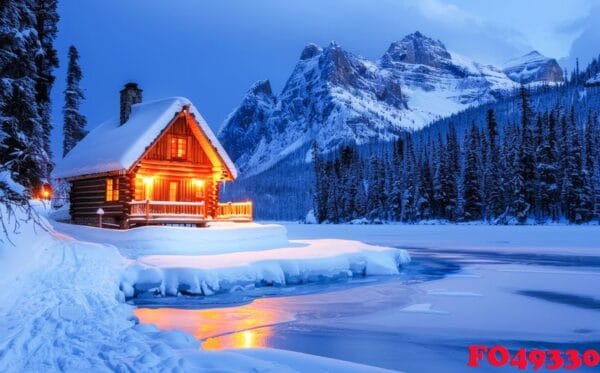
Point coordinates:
[[527, 147], [547, 170], [333, 193], [376, 189], [592, 161], [424, 200], [450, 172], [410, 182], [350, 181], [22, 137], [74, 122], [320, 187], [397, 179], [439, 198], [494, 193], [515, 194], [473, 203], [577, 200], [46, 26]]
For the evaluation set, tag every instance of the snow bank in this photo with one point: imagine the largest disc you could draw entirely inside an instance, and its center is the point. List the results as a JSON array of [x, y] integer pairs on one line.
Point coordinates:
[[308, 261], [217, 239]]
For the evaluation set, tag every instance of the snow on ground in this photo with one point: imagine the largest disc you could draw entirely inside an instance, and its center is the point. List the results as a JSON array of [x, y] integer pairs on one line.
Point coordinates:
[[555, 239], [218, 239], [229, 257], [61, 310]]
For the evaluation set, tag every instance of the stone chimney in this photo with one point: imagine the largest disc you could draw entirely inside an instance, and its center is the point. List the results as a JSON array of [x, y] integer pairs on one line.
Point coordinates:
[[130, 95]]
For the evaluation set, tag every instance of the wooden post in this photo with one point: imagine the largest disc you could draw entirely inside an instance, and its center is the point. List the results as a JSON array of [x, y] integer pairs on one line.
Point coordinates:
[[147, 209], [100, 212]]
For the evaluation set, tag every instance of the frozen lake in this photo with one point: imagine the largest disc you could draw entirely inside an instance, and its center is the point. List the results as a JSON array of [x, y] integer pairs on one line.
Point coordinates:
[[446, 299]]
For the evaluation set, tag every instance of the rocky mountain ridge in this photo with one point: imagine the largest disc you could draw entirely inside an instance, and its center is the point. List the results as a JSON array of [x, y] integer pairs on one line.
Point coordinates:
[[334, 97]]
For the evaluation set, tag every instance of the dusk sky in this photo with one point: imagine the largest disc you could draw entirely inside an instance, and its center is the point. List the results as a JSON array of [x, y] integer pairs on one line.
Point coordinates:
[[212, 51]]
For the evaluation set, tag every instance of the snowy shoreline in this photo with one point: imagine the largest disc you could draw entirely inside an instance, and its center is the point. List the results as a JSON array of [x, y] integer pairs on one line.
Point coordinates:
[[65, 289], [307, 262]]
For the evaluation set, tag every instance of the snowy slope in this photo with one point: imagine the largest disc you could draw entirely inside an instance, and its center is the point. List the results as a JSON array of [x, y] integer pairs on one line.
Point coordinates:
[[334, 97], [534, 67]]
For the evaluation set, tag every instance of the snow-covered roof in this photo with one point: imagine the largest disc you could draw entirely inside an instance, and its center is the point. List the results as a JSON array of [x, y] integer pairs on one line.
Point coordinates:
[[113, 147]]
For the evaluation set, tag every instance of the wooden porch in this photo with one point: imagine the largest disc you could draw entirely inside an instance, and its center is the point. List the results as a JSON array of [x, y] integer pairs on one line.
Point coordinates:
[[173, 212]]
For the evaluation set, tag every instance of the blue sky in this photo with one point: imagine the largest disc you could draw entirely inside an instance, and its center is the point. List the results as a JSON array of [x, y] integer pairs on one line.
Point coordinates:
[[212, 51]]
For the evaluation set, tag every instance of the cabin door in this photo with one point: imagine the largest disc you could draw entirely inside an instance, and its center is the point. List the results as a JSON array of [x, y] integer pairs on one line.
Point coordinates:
[[173, 188], [148, 189]]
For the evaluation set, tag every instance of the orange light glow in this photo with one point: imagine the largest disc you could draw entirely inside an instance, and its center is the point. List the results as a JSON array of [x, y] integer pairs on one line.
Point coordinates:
[[199, 183], [247, 326], [148, 180]]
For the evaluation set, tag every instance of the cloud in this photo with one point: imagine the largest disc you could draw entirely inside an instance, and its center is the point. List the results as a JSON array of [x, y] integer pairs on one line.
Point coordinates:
[[436, 10]]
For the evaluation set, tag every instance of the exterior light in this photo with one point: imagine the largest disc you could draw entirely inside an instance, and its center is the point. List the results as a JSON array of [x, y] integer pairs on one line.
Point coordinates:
[[199, 183], [148, 180]]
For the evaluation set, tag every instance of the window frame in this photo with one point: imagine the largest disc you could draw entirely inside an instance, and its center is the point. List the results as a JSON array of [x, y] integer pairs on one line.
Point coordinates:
[[111, 189], [178, 149]]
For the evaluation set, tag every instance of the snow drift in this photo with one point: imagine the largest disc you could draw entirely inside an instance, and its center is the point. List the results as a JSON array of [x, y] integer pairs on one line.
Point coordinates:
[[217, 239], [308, 261]]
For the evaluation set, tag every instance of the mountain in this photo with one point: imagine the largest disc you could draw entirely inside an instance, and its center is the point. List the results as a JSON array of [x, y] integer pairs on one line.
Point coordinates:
[[534, 67], [334, 97]]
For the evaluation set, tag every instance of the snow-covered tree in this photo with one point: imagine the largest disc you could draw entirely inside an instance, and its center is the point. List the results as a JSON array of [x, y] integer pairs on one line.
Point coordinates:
[[547, 170], [74, 122], [472, 197], [577, 195], [494, 188], [47, 27], [450, 174], [22, 137]]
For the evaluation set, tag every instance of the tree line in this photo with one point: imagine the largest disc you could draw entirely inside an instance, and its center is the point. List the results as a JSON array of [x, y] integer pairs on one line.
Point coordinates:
[[544, 168]]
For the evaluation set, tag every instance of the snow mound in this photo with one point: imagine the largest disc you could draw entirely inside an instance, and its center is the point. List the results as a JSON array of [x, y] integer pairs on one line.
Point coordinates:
[[309, 261], [219, 238]]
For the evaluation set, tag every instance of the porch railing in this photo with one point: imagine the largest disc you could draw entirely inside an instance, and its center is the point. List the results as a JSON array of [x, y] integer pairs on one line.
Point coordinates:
[[237, 211], [149, 210], [164, 209]]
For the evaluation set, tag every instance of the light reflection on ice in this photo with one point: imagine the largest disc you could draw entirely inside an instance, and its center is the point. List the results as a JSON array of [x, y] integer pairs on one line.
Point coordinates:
[[219, 328]]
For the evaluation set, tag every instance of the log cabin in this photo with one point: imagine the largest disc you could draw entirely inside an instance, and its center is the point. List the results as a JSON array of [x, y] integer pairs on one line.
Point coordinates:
[[158, 163]]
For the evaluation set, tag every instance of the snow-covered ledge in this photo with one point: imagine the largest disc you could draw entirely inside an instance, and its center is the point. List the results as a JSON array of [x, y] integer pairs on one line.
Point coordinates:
[[226, 257], [305, 262]]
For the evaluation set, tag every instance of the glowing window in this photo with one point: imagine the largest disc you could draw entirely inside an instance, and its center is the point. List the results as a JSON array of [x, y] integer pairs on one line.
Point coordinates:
[[112, 189], [178, 147]]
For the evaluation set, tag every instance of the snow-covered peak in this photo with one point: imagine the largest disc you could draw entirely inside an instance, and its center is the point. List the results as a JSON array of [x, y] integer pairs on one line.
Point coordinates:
[[531, 57], [334, 97], [533, 67], [261, 87], [311, 50], [417, 48]]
